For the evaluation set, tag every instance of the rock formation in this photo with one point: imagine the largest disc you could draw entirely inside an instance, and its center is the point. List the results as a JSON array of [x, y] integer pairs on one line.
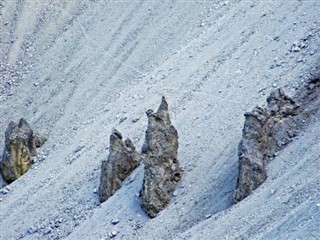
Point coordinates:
[[161, 165], [123, 159], [20, 146], [267, 130]]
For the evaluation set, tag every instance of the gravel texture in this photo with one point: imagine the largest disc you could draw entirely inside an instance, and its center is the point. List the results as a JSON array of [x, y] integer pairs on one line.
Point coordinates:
[[76, 69]]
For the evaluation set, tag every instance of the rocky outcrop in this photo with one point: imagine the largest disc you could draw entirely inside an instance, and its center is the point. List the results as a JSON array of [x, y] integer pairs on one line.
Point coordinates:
[[123, 159], [161, 165], [267, 130], [20, 147]]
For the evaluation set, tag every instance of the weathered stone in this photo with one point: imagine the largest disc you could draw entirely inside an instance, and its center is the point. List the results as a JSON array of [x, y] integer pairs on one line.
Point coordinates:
[[19, 147], [258, 144], [252, 171], [268, 130], [123, 159], [161, 165], [39, 139]]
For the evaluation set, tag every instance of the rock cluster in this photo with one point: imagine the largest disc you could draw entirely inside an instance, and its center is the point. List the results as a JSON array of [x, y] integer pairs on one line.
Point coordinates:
[[267, 130], [20, 147], [161, 165], [123, 159]]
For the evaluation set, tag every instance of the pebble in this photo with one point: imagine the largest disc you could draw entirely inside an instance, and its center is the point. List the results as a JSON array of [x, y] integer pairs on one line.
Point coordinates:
[[136, 119], [122, 119], [296, 49], [113, 234], [318, 204], [31, 230], [5, 190], [300, 60], [48, 230], [277, 38], [208, 216], [115, 221]]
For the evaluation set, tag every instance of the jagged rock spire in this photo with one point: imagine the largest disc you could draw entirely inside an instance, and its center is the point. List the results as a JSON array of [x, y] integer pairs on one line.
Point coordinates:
[[161, 165]]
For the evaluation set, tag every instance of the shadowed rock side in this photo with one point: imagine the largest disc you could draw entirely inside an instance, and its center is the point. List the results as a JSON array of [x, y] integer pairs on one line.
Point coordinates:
[[267, 130], [20, 147], [161, 165], [123, 159]]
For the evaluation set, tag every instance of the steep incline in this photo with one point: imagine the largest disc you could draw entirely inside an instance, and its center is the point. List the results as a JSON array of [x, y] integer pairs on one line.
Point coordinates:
[[73, 69]]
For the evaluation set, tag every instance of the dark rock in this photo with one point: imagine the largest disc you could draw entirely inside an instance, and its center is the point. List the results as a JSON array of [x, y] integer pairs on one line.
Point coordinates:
[[268, 130], [123, 159], [161, 165]]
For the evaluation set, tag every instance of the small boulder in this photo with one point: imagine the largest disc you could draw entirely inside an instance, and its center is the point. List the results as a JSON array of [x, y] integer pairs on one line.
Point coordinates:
[[161, 165], [20, 146], [39, 139], [123, 159]]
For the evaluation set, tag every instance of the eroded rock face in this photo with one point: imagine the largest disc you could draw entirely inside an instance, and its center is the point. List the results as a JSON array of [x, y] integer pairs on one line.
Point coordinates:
[[161, 165], [123, 159], [268, 130], [20, 146]]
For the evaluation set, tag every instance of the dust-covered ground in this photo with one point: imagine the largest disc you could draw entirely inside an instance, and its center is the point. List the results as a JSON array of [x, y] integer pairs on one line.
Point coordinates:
[[76, 69]]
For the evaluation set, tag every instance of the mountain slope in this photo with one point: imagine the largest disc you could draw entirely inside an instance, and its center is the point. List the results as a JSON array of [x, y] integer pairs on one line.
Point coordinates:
[[73, 69]]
